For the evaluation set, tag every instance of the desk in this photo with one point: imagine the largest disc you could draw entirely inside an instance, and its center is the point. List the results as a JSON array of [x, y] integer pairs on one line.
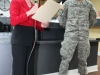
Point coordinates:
[[47, 52], [47, 58]]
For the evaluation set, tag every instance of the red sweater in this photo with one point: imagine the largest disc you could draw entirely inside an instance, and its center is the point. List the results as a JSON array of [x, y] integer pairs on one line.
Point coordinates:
[[18, 9]]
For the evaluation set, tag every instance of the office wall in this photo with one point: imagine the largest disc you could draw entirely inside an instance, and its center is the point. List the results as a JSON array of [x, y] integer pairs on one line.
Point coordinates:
[[95, 31], [96, 4]]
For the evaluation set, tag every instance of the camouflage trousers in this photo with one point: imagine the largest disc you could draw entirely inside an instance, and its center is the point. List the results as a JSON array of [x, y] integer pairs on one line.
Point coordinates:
[[67, 51]]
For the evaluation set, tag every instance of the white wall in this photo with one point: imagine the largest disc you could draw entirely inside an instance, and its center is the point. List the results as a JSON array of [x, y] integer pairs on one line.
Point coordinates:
[[5, 14]]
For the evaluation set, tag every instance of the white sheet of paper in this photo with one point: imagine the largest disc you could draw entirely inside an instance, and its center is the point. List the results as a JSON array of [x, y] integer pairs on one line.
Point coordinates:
[[46, 11]]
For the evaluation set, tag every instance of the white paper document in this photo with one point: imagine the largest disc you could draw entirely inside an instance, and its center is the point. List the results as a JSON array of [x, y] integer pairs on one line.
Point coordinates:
[[46, 11]]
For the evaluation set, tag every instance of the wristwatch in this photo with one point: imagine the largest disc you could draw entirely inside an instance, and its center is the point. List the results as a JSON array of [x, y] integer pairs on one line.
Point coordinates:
[[4, 5]]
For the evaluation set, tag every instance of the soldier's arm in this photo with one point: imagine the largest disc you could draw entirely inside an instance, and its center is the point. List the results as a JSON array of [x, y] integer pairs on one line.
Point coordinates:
[[62, 15], [92, 16]]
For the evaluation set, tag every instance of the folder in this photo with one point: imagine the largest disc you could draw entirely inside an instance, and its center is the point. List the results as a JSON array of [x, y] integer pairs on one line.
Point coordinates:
[[46, 11]]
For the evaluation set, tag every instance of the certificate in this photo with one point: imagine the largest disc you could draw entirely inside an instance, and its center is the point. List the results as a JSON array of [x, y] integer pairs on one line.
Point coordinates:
[[46, 11]]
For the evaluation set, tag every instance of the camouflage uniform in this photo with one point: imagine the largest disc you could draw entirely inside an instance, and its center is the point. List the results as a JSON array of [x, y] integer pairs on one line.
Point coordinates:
[[76, 18]]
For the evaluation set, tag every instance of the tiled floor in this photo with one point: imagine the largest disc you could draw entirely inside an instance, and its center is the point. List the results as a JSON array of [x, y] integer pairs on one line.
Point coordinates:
[[96, 73]]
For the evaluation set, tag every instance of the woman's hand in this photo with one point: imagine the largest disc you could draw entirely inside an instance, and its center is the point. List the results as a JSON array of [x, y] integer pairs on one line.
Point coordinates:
[[45, 24], [62, 7], [32, 10]]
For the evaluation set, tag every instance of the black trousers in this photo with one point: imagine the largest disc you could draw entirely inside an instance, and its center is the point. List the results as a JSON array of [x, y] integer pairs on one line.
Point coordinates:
[[20, 56]]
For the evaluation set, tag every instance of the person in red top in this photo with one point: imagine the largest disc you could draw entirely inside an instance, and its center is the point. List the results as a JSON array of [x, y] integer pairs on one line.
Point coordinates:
[[23, 34]]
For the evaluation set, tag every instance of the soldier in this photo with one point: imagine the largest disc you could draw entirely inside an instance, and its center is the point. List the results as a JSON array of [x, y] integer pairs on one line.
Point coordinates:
[[76, 17]]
